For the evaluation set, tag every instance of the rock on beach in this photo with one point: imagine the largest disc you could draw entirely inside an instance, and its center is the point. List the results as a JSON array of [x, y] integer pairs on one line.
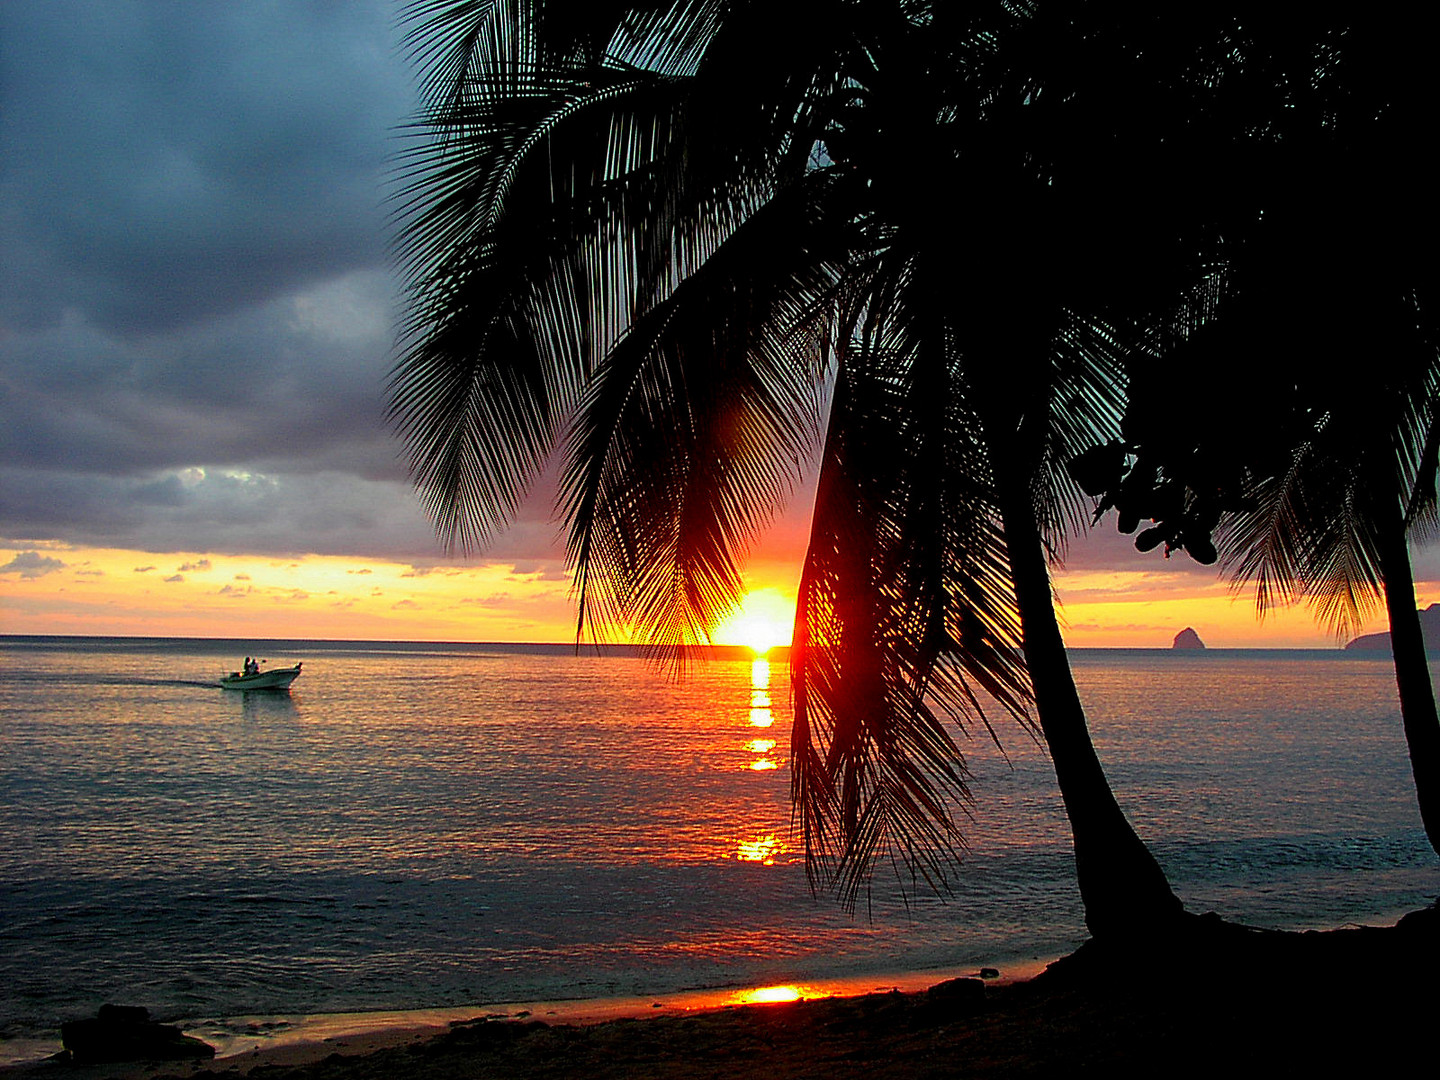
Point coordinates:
[[126, 1033]]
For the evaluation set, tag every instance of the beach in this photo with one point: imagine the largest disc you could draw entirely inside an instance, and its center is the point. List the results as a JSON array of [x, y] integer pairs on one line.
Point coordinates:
[[1213, 998]]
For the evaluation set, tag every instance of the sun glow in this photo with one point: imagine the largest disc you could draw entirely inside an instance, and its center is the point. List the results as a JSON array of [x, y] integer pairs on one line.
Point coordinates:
[[764, 619], [68, 589]]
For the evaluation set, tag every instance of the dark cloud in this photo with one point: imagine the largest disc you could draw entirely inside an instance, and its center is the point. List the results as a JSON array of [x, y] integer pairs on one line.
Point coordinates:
[[171, 161], [196, 307], [31, 564], [174, 579]]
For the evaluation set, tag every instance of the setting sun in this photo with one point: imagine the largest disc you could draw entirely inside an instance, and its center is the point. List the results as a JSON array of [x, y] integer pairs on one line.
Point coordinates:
[[764, 619]]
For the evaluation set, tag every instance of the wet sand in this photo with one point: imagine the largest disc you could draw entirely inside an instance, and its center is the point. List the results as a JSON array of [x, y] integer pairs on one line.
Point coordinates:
[[1213, 999], [247, 1041]]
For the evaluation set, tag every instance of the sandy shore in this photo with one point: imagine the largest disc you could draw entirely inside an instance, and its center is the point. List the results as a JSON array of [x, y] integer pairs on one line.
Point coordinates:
[[247, 1042], [1213, 998]]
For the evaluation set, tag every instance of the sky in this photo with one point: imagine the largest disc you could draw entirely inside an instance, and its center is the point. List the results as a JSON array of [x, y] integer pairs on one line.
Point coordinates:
[[197, 319]]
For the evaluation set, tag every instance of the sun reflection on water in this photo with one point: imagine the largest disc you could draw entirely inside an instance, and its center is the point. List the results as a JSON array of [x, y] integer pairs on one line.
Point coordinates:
[[762, 850], [765, 848], [760, 711]]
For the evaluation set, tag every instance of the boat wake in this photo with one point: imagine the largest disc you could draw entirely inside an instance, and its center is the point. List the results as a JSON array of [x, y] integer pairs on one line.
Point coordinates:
[[140, 680], [208, 684]]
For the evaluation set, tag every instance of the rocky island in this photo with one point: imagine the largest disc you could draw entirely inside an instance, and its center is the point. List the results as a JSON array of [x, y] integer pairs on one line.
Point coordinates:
[[1429, 627], [1187, 639]]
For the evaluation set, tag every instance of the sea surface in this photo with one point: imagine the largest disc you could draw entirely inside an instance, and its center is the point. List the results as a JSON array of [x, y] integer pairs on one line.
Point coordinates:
[[420, 826]]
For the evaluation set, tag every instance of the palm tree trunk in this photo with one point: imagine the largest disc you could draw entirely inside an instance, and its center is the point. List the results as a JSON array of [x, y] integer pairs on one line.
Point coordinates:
[[1412, 676], [1124, 891]]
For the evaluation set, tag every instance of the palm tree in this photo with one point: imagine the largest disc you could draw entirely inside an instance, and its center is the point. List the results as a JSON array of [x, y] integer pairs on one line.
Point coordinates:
[[1331, 526], [1321, 507], [1331, 272], [1360, 478], [661, 234]]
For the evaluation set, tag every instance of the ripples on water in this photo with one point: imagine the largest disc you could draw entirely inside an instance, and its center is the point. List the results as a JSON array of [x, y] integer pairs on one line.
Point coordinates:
[[433, 826]]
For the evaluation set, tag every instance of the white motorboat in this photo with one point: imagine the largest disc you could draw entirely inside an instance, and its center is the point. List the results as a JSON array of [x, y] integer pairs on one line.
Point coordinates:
[[274, 679]]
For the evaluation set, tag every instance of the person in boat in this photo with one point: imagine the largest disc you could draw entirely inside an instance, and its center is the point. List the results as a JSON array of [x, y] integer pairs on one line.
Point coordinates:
[[252, 667]]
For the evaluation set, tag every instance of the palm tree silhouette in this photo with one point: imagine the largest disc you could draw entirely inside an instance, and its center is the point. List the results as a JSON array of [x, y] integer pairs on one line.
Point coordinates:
[[1332, 529], [1348, 259], [683, 240], [1313, 484]]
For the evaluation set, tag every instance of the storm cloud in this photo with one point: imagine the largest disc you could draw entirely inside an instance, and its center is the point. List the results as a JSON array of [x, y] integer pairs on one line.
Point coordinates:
[[197, 306]]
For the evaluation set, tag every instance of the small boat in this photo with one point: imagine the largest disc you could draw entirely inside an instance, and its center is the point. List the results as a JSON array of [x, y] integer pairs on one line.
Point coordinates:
[[274, 679]]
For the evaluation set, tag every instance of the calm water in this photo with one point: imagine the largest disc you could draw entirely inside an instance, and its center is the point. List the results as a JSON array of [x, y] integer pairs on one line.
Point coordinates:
[[428, 826]]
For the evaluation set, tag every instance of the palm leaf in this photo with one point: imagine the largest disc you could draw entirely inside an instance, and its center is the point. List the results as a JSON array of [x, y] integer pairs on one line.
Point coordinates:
[[694, 428], [905, 622]]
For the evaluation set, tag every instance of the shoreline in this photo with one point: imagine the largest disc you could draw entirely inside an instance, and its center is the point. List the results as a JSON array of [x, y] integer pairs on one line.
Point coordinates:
[[246, 1041], [1191, 1001], [294, 1039]]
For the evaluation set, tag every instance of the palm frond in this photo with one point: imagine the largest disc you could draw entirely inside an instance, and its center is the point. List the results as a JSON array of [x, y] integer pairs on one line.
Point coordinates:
[[549, 203], [503, 328], [694, 427], [905, 623]]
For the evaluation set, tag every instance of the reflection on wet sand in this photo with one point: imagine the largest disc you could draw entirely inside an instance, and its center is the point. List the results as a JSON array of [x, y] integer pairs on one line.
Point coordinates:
[[762, 995]]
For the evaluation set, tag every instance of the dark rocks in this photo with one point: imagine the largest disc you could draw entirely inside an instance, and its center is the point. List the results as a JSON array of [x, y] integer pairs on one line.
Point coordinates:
[[1187, 639], [491, 1032], [126, 1033], [1429, 628], [123, 1014], [959, 991]]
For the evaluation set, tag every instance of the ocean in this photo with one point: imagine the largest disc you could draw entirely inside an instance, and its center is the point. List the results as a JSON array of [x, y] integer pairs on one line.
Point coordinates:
[[425, 826]]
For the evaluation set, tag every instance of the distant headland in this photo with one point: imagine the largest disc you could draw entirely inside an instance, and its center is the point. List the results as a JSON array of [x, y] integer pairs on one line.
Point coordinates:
[[1187, 639], [1429, 627]]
